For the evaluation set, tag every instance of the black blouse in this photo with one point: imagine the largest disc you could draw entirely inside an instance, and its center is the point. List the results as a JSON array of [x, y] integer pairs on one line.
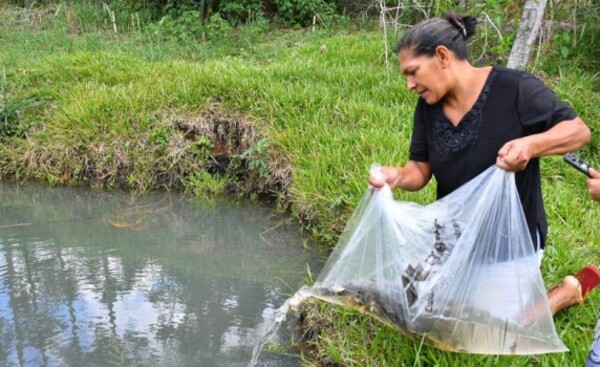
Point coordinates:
[[512, 104]]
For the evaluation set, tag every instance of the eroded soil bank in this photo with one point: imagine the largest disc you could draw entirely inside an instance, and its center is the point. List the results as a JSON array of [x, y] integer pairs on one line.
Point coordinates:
[[214, 151]]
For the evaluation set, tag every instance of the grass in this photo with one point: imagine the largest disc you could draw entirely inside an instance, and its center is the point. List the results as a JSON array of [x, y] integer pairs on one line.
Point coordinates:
[[134, 110]]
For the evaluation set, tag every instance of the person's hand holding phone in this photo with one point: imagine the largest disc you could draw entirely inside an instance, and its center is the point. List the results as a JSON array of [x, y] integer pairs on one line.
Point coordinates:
[[593, 181], [593, 184], [577, 163]]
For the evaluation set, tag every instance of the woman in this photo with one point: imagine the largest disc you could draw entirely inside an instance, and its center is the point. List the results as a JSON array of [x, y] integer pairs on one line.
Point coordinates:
[[468, 118]]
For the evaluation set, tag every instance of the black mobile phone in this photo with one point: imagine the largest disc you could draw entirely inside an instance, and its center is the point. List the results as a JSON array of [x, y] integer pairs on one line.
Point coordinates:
[[577, 163]]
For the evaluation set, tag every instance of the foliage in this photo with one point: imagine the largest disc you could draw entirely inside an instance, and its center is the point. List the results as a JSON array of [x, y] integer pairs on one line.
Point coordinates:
[[241, 11], [301, 12], [218, 29], [257, 157], [203, 185], [185, 27], [570, 37], [159, 137], [10, 111]]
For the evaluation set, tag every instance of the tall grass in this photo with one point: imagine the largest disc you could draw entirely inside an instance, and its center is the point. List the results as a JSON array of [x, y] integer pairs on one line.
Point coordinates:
[[117, 110]]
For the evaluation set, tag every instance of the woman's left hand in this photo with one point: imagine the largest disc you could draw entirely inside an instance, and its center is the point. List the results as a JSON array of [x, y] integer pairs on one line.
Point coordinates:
[[514, 155]]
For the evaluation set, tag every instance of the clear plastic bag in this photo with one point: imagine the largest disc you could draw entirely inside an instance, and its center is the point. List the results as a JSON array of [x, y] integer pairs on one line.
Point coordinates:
[[460, 273]]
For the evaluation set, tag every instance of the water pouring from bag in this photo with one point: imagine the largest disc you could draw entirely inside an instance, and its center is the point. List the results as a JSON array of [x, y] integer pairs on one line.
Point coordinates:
[[280, 315]]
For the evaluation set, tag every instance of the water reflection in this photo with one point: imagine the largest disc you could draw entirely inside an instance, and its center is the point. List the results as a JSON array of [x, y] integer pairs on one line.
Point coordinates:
[[100, 279]]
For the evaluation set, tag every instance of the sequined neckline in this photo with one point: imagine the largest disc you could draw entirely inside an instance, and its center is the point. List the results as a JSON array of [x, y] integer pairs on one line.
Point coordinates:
[[451, 139]]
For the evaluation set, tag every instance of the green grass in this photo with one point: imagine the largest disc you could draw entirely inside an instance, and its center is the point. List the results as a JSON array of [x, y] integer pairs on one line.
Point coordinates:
[[118, 111]]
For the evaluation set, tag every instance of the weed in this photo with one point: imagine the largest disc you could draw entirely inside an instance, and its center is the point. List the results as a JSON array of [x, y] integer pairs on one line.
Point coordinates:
[[10, 112], [257, 157], [204, 185]]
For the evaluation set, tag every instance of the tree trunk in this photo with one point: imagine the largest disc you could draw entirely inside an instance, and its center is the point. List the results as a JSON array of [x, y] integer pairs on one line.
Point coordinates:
[[529, 28], [203, 10]]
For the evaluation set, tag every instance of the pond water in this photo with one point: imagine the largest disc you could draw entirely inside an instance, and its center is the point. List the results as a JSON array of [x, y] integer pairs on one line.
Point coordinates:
[[93, 278]]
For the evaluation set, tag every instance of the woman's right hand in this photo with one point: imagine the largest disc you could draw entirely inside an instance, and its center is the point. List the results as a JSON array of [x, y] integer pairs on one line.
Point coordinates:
[[412, 177], [383, 175]]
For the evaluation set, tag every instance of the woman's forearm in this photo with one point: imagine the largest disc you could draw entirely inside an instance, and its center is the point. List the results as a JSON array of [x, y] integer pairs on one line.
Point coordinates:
[[412, 177], [564, 137]]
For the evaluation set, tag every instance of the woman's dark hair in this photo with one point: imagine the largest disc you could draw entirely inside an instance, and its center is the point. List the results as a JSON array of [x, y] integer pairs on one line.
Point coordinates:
[[451, 30]]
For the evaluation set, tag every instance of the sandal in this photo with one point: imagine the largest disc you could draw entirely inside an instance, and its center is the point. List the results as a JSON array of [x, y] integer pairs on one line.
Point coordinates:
[[589, 278]]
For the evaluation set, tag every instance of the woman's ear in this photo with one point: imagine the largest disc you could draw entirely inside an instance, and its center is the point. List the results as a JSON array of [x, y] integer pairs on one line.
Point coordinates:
[[443, 55]]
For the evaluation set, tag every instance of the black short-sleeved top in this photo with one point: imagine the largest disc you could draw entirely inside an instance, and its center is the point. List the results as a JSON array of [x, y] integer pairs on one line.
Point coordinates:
[[512, 104]]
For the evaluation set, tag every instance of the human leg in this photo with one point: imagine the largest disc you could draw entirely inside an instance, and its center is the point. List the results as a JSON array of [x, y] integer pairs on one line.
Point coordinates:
[[573, 289]]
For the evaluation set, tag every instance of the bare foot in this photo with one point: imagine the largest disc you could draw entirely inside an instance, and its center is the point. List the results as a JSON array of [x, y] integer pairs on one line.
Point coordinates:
[[564, 295]]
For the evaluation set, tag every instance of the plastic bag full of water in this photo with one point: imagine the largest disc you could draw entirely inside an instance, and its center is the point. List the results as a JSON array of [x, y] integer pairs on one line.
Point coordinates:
[[460, 274]]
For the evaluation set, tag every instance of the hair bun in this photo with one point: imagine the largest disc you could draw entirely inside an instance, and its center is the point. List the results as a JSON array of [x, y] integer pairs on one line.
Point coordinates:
[[465, 24]]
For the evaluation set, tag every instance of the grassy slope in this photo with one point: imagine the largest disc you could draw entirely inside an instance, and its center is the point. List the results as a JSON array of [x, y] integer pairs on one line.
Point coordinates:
[[329, 108]]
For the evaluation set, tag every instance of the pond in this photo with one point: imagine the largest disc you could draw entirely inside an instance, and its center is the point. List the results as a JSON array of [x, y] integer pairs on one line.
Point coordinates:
[[95, 278]]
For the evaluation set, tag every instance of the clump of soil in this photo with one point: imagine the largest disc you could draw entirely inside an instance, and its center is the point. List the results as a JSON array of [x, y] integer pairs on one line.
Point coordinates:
[[234, 140]]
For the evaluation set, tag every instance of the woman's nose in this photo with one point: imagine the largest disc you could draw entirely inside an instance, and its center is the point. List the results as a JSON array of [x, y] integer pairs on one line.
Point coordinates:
[[410, 84]]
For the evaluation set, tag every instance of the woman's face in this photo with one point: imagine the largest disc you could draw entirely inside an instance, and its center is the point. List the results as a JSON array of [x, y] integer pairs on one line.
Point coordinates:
[[424, 75]]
